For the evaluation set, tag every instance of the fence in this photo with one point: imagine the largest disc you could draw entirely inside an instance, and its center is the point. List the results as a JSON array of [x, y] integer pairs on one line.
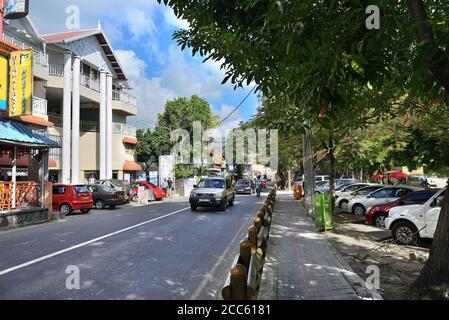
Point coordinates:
[[27, 195], [246, 272]]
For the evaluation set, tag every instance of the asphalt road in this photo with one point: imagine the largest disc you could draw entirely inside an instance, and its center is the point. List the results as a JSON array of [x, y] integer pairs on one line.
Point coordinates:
[[160, 251]]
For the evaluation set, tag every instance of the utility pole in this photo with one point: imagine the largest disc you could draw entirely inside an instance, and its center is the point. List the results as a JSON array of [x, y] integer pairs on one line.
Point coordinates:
[[308, 169]]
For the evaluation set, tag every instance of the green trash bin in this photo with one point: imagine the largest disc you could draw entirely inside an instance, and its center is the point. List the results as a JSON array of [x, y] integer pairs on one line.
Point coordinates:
[[323, 212]]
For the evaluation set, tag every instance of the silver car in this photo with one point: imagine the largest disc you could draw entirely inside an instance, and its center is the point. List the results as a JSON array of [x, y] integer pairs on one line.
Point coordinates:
[[213, 192]]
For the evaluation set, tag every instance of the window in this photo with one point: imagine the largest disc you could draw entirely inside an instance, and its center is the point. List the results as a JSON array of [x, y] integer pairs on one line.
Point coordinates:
[[365, 191], [212, 183], [402, 192], [419, 197], [351, 188], [384, 193], [81, 189], [58, 190]]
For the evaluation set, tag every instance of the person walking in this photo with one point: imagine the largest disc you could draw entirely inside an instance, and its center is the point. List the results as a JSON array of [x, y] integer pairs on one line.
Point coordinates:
[[170, 188], [258, 183]]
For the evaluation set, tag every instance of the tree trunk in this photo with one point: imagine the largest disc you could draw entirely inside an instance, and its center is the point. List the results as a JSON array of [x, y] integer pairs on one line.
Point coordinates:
[[332, 165], [433, 281]]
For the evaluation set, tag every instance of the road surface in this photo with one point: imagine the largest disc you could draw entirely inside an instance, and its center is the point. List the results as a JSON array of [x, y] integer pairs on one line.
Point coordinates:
[[160, 251]]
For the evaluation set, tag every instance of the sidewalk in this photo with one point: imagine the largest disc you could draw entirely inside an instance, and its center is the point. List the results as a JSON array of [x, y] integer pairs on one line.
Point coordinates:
[[302, 265]]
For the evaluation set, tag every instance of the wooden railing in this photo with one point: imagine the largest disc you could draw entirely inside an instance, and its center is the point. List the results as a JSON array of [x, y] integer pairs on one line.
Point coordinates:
[[27, 195]]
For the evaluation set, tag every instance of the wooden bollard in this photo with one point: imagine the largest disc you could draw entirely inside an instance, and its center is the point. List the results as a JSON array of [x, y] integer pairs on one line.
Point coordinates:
[[238, 282], [245, 252], [258, 223], [252, 237]]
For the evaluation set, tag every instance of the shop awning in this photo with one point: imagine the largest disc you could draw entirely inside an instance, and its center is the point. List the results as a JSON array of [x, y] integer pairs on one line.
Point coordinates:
[[13, 132], [37, 120], [132, 166], [129, 140]]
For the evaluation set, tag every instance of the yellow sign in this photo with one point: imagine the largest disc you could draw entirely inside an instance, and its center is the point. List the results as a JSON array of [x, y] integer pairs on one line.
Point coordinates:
[[3, 83], [20, 83]]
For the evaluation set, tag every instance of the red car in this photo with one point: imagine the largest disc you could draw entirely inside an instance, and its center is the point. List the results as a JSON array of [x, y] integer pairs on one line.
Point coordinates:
[[377, 214], [159, 194], [68, 198]]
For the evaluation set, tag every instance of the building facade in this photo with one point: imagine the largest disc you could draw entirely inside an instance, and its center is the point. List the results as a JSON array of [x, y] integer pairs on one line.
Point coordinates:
[[80, 101]]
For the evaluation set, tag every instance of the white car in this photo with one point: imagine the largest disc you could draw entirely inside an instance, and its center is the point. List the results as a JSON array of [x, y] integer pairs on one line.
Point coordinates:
[[360, 206], [410, 223], [344, 198], [341, 196]]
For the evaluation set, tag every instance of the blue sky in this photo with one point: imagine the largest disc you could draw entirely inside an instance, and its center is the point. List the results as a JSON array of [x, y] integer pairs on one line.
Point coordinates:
[[141, 34]]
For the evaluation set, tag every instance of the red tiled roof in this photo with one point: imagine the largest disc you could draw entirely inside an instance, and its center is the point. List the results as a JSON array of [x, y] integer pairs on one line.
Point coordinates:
[[67, 36]]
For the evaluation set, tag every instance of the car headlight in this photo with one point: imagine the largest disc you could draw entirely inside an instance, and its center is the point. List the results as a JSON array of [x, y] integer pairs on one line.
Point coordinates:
[[193, 195], [218, 196]]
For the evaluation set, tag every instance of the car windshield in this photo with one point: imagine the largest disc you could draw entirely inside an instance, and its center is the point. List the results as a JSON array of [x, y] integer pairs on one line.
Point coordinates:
[[212, 183], [81, 189], [243, 183], [117, 183], [106, 188]]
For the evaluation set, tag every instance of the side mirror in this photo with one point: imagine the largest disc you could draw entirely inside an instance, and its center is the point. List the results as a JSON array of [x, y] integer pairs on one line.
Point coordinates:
[[195, 186]]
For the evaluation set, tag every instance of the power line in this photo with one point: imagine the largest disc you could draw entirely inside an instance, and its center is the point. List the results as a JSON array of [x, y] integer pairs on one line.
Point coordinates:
[[240, 104]]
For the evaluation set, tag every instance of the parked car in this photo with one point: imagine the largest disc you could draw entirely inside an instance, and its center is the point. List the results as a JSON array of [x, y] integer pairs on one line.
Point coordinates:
[[68, 198], [360, 206], [323, 187], [213, 192], [159, 194], [410, 223], [119, 185], [376, 216], [105, 196], [321, 178], [245, 187], [343, 195]]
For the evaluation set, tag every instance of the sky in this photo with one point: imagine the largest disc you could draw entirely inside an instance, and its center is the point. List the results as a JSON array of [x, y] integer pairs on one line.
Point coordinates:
[[140, 32]]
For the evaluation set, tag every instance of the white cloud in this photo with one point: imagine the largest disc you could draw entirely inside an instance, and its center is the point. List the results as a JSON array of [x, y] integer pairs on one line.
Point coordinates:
[[171, 19]]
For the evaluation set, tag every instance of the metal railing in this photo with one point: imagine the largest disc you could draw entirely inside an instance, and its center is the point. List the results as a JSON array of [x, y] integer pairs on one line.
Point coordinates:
[[40, 57], [124, 97], [246, 273], [90, 83], [56, 153], [120, 128], [89, 126], [56, 119], [56, 70], [39, 106]]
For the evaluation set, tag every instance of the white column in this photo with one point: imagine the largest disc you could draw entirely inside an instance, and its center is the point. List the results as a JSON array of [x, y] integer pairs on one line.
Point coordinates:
[[103, 121], [67, 118], [109, 126], [76, 121]]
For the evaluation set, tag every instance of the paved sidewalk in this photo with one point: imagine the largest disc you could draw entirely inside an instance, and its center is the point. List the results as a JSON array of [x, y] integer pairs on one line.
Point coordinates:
[[302, 265]]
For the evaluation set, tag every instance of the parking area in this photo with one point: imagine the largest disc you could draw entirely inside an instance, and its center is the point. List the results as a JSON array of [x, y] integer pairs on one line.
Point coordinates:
[[363, 246]]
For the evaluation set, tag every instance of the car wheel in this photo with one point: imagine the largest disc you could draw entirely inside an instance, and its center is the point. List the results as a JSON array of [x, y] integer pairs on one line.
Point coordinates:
[[66, 209], [358, 210], [85, 210], [193, 207], [405, 233], [379, 220], [134, 198], [99, 204], [343, 205], [223, 205]]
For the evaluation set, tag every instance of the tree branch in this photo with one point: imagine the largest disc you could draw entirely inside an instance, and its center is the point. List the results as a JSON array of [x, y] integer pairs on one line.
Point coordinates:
[[439, 62]]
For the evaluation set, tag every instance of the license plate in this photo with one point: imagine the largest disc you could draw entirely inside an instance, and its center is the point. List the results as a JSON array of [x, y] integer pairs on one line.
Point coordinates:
[[86, 198], [204, 200]]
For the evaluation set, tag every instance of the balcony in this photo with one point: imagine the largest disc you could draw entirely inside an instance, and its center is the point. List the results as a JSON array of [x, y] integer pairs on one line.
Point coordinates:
[[40, 58], [123, 129], [56, 70], [90, 83], [40, 107], [124, 97]]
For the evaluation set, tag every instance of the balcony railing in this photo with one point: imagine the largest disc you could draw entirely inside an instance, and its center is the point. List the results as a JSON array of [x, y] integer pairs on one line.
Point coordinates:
[[120, 128], [124, 97], [39, 107], [56, 70], [56, 153], [90, 83], [89, 126], [40, 58], [56, 119]]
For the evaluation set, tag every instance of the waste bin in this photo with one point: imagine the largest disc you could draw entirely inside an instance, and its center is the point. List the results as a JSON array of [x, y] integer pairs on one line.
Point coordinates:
[[323, 212], [151, 195]]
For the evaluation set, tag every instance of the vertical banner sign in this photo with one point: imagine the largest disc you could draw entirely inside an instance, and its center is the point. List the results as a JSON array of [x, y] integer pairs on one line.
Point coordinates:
[[3, 83], [21, 83], [16, 9]]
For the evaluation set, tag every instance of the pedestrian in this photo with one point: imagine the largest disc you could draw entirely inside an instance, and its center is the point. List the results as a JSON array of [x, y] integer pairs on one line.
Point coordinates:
[[170, 188], [258, 187], [164, 186]]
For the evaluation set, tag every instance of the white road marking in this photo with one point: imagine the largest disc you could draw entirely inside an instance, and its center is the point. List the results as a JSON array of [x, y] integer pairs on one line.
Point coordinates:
[[209, 275], [49, 256]]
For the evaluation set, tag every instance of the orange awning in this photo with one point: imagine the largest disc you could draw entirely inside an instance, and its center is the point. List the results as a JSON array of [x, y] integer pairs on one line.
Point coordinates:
[[129, 140], [36, 120], [132, 166], [52, 163]]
